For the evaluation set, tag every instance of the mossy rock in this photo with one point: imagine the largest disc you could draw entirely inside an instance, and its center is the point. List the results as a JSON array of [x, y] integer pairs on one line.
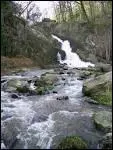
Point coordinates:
[[16, 82], [99, 88], [44, 89], [46, 82], [41, 90], [50, 87], [72, 142], [49, 78], [104, 98], [23, 89], [40, 82]]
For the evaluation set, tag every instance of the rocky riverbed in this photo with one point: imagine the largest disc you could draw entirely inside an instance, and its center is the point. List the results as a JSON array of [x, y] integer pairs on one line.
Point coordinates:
[[50, 108]]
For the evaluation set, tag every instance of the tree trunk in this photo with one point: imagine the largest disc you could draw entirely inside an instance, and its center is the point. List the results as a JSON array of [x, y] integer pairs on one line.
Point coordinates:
[[84, 11]]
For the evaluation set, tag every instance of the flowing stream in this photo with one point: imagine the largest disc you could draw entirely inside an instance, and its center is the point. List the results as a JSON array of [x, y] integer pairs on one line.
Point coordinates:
[[42, 121]]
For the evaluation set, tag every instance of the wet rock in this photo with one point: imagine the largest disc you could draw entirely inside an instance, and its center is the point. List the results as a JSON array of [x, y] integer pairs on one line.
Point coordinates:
[[31, 93], [63, 98], [91, 101], [11, 128], [55, 92], [70, 72], [65, 68], [63, 54], [23, 89], [44, 89], [62, 65], [106, 142], [103, 120], [48, 79], [14, 96], [80, 78], [63, 78], [61, 72], [85, 74], [13, 84], [3, 80], [29, 81]]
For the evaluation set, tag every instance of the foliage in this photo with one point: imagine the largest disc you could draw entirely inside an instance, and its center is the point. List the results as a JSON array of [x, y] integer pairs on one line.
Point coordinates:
[[72, 142], [20, 38], [104, 98], [23, 89]]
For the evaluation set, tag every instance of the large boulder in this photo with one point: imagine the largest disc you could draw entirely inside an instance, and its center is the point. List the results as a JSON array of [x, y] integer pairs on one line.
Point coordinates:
[[13, 84], [103, 120], [45, 83], [47, 79], [99, 88]]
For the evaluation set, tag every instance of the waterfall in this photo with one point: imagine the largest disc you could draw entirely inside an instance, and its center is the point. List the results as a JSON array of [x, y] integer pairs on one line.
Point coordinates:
[[72, 59]]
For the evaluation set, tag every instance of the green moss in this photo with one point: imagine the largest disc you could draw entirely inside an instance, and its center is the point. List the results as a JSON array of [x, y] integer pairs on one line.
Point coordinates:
[[23, 89], [102, 94], [72, 142], [44, 89], [104, 98], [50, 87], [41, 90], [40, 83]]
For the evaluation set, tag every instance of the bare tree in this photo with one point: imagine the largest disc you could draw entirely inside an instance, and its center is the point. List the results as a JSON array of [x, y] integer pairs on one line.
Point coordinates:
[[23, 10], [69, 8], [84, 11]]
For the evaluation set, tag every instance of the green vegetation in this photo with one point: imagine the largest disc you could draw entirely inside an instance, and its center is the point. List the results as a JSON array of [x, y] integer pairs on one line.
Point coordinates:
[[20, 38], [104, 97], [23, 89], [72, 142], [42, 90], [44, 84]]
